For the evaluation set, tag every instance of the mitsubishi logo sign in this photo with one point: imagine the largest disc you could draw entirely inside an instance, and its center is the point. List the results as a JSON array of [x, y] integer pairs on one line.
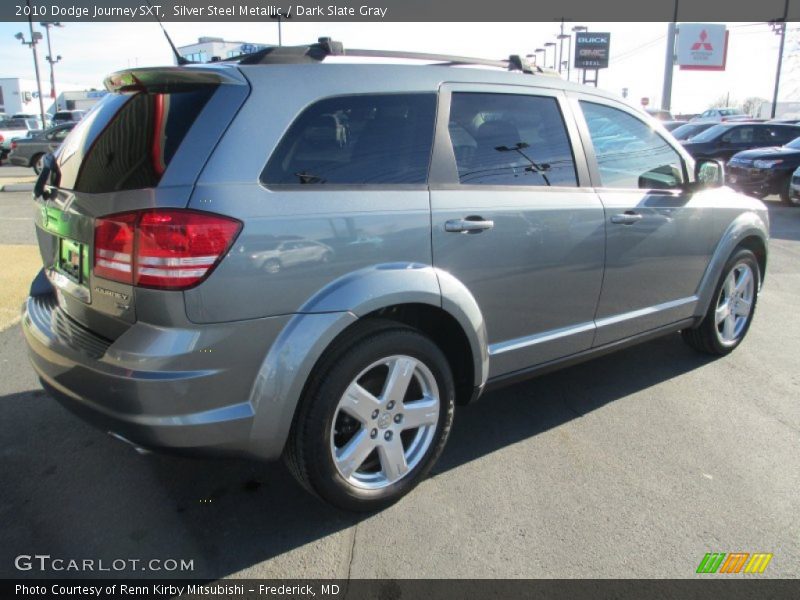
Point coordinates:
[[702, 43], [702, 46]]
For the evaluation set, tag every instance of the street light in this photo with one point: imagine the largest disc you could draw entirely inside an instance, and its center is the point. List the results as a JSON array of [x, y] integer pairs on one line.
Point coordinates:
[[561, 38], [544, 51], [35, 37], [52, 61], [547, 45], [577, 29]]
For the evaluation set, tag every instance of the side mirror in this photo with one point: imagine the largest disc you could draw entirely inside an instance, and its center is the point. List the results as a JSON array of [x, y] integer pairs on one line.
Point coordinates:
[[709, 173]]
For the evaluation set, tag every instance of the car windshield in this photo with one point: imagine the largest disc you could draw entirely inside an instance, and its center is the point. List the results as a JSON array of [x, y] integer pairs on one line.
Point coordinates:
[[727, 112], [794, 144], [711, 133], [684, 132]]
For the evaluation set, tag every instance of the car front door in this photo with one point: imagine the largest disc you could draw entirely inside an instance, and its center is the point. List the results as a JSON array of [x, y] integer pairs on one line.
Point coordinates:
[[659, 237], [515, 219]]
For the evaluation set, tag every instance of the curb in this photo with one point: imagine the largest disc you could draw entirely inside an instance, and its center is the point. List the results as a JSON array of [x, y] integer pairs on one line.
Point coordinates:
[[17, 187]]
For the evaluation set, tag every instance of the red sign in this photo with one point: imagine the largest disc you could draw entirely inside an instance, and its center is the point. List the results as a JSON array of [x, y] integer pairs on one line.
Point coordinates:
[[645, 101]]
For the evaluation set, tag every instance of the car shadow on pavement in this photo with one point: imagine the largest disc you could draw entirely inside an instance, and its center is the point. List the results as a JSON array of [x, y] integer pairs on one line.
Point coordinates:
[[72, 492]]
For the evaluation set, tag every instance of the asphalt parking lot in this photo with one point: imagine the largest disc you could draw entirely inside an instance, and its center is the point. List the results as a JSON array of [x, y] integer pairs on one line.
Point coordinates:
[[632, 465]]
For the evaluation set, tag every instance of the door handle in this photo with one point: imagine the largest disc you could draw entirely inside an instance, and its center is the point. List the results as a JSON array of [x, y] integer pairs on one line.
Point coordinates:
[[468, 225], [626, 218]]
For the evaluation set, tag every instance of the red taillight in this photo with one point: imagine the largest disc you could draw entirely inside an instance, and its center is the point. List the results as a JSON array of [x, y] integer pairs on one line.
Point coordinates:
[[13, 144], [162, 248]]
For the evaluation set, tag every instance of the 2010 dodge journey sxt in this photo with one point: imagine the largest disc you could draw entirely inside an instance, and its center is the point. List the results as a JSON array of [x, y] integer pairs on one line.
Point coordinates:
[[288, 256]]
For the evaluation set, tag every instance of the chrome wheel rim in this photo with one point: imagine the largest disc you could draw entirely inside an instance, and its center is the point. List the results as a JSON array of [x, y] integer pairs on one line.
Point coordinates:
[[385, 422], [39, 165], [735, 303]]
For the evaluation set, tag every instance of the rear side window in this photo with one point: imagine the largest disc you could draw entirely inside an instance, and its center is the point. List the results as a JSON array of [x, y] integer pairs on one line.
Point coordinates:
[[364, 139], [509, 139], [127, 140]]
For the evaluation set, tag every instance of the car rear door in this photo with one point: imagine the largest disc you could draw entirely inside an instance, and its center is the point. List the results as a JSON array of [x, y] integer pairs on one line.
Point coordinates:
[[659, 238], [514, 219]]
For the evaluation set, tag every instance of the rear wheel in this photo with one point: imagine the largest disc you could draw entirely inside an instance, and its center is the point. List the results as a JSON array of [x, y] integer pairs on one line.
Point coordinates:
[[375, 419], [37, 162], [731, 312]]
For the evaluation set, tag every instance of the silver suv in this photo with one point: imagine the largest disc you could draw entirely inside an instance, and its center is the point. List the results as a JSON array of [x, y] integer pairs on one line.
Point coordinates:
[[286, 256]]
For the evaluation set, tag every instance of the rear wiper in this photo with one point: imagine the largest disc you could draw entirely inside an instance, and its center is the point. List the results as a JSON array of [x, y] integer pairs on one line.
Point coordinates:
[[308, 177]]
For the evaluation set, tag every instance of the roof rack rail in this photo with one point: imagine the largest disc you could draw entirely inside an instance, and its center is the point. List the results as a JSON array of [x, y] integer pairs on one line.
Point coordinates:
[[326, 47]]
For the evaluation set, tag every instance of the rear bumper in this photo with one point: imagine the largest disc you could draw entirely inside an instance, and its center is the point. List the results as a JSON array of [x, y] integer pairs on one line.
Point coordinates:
[[185, 389]]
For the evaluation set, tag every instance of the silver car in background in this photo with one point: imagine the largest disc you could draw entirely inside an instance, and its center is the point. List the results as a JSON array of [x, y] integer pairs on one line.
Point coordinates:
[[286, 256], [30, 151]]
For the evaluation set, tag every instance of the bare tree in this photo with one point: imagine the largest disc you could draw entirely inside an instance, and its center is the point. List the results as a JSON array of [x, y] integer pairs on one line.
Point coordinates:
[[751, 105], [721, 102]]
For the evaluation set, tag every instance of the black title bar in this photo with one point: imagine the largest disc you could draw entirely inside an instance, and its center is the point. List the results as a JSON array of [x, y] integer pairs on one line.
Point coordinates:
[[396, 10]]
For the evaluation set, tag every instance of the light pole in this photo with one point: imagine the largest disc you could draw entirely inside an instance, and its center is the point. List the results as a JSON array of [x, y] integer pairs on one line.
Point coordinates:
[[577, 29], [279, 17], [780, 29], [35, 37], [544, 51], [547, 45], [561, 38], [52, 61]]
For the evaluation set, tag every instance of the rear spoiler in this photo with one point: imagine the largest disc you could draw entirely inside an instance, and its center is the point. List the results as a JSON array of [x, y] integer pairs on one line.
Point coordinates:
[[172, 79]]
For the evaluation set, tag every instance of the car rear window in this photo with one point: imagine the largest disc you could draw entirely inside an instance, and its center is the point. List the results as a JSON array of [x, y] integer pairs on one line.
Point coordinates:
[[363, 139], [128, 140]]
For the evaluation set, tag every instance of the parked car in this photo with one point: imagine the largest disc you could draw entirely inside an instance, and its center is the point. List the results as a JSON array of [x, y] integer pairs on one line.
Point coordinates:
[[11, 129], [687, 130], [723, 114], [794, 188], [724, 140], [68, 116], [673, 125], [763, 171], [30, 151], [481, 231]]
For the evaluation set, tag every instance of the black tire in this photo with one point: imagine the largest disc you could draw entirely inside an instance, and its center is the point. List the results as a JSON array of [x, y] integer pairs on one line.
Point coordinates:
[[309, 453], [786, 194], [706, 337], [35, 163]]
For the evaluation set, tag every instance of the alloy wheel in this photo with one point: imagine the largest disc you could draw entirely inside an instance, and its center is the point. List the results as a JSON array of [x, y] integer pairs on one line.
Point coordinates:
[[735, 303], [385, 422]]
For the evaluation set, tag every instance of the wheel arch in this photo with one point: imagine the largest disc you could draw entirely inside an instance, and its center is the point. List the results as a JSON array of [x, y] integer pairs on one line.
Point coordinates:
[[748, 230], [414, 294]]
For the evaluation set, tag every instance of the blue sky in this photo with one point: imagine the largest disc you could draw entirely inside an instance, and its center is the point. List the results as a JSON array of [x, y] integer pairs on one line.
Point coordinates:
[[92, 50]]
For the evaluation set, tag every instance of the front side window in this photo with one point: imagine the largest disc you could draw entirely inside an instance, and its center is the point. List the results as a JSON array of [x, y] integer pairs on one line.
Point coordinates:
[[510, 139], [364, 139], [630, 154]]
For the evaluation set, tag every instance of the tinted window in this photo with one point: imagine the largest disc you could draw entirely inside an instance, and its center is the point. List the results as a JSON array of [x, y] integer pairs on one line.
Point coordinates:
[[740, 135], [369, 139], [630, 154], [782, 135], [685, 132], [127, 140], [711, 133], [508, 139]]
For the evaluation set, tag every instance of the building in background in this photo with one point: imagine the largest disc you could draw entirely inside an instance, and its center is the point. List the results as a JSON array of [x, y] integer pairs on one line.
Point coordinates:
[[18, 95], [208, 49]]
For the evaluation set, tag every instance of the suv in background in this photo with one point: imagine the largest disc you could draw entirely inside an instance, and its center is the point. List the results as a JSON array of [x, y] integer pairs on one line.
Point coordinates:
[[451, 230], [68, 116], [722, 141]]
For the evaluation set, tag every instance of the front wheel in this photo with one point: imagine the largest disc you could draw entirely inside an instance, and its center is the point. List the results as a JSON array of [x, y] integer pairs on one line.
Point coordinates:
[[374, 419], [729, 316]]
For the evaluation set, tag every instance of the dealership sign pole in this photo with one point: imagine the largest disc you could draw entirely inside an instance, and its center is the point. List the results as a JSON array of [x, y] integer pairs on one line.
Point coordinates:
[[591, 52]]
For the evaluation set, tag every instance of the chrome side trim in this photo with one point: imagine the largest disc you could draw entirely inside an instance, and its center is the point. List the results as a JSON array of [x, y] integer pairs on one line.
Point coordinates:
[[649, 310], [539, 338], [554, 334]]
